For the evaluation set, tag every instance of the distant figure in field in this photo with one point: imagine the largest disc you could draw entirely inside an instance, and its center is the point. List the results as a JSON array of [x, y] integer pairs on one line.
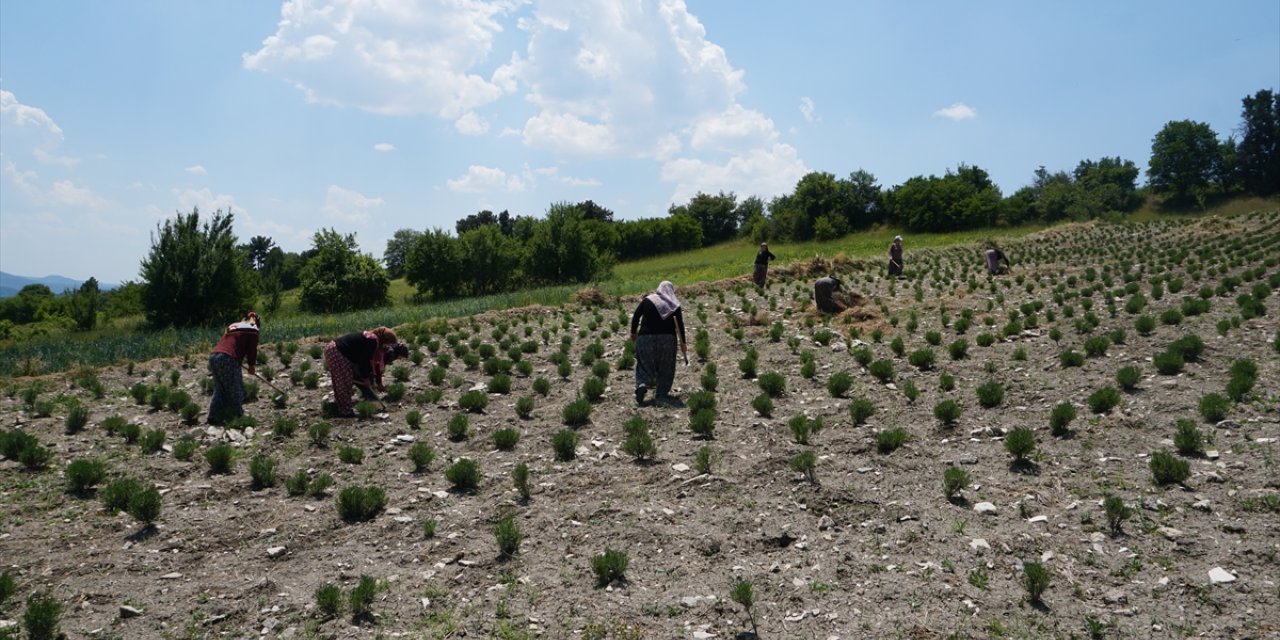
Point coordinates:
[[824, 291], [895, 257], [654, 326], [761, 271], [351, 360], [994, 257], [238, 343]]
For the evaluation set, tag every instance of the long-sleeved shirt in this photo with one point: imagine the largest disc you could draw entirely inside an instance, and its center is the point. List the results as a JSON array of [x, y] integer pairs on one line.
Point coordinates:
[[648, 322], [764, 256], [241, 345], [360, 350]]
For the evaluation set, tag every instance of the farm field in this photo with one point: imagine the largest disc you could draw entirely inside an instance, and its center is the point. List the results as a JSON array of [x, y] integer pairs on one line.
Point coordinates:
[[1086, 447]]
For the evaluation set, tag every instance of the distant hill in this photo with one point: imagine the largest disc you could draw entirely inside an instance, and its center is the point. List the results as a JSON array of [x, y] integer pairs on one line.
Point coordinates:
[[11, 284]]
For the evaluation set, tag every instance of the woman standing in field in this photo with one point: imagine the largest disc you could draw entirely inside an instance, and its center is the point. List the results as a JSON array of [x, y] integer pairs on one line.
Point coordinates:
[[895, 256], [238, 343], [654, 328], [761, 271], [351, 360]]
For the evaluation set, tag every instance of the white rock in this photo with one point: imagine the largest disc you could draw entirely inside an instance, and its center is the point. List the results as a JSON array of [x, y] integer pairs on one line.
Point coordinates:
[[1218, 575], [127, 611], [1035, 519], [985, 508], [171, 576], [680, 467], [979, 544], [275, 552]]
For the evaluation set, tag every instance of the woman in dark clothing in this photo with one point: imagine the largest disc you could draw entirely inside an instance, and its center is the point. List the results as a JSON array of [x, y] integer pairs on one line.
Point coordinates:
[[352, 359], [238, 343], [654, 327], [762, 264], [895, 256]]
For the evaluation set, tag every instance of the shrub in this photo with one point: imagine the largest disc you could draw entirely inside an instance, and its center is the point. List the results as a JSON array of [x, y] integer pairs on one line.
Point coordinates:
[[565, 444], [506, 439], [860, 409], [459, 427], [1128, 377], [421, 454], [85, 474], [593, 388], [318, 433], [703, 423], [700, 400], [985, 339], [882, 370], [474, 401], [319, 485], [296, 484], [609, 566], [144, 505], [329, 601], [1020, 442], [863, 356], [747, 365], [1188, 439], [1060, 417], [130, 432], [933, 337], [184, 448], [802, 427], [990, 394], [42, 618], [361, 598], [1214, 407], [910, 391], [351, 454], [954, 480], [541, 386], [395, 392], [520, 478], [839, 383], [947, 412], [8, 586], [1116, 512], [1167, 468], [922, 359], [703, 459], [153, 440], [763, 405], [1144, 325], [958, 349], [77, 417], [262, 471], [1070, 358], [1168, 362], [577, 413], [638, 443], [1103, 400], [361, 503], [1035, 579], [220, 458], [946, 382], [1096, 346], [772, 383], [284, 428], [524, 407], [1189, 346], [743, 594], [507, 533], [806, 462], [889, 440]]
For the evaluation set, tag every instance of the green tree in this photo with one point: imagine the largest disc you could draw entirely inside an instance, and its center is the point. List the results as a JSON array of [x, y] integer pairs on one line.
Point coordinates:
[[717, 215], [34, 302], [398, 251], [194, 274], [340, 278], [864, 200], [1110, 184], [257, 250], [435, 265], [491, 259], [1259, 151], [1184, 156], [565, 247], [962, 199], [83, 305]]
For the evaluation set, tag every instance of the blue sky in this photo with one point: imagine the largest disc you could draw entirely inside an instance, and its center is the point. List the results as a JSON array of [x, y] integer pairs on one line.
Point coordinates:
[[368, 116]]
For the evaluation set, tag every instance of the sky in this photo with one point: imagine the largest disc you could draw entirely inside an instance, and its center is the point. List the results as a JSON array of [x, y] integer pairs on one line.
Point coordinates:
[[369, 116]]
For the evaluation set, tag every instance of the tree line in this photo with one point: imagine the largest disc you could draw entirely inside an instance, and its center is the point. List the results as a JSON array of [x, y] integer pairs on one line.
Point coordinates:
[[196, 272]]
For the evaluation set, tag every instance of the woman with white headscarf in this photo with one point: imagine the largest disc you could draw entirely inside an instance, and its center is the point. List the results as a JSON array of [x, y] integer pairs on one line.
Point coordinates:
[[654, 326]]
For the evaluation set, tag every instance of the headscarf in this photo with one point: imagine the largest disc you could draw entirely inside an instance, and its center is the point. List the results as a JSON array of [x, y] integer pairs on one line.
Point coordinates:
[[251, 322], [664, 299]]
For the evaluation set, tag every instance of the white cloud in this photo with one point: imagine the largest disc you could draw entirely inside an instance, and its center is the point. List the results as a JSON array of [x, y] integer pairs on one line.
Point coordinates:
[[763, 172], [736, 128], [388, 56], [957, 111], [384, 147], [25, 115], [196, 169], [567, 133], [482, 179], [471, 124], [553, 173], [807, 109], [347, 205], [50, 158], [66, 193], [206, 201]]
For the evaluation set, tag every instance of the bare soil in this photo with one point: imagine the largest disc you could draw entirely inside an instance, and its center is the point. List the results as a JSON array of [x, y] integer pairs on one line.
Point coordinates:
[[872, 549]]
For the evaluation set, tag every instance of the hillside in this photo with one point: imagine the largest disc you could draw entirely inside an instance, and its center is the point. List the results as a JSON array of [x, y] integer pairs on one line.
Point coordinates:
[[863, 545]]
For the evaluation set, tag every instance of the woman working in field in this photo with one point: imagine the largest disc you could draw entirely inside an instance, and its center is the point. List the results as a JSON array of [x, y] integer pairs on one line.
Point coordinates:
[[351, 361], [238, 343]]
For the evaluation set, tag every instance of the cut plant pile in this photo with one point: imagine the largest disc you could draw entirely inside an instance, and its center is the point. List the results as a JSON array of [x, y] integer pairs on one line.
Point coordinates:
[[956, 456]]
